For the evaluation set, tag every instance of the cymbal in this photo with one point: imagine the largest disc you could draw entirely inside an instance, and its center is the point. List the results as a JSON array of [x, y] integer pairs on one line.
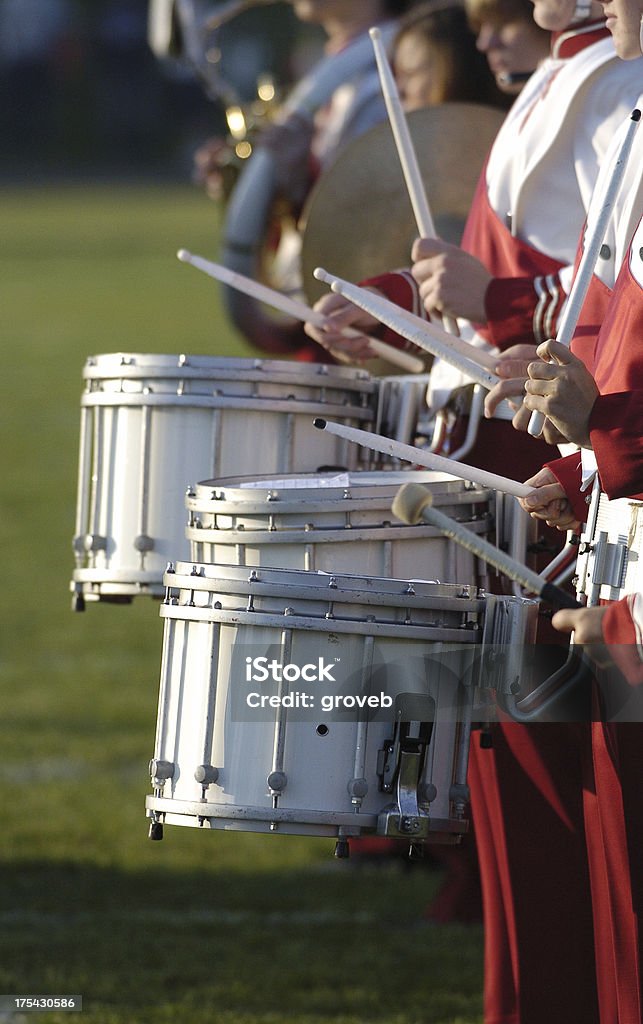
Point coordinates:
[[358, 219]]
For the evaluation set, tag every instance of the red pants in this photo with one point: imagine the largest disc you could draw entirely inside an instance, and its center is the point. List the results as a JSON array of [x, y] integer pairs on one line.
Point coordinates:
[[527, 802], [613, 762]]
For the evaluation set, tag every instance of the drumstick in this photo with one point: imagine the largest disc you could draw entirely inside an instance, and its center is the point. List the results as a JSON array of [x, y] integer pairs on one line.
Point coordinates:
[[454, 343], [413, 502], [591, 249], [406, 151], [423, 457], [292, 307], [424, 335]]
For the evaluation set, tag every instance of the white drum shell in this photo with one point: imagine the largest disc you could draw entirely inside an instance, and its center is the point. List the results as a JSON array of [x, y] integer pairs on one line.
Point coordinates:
[[400, 400], [340, 523], [373, 621], [153, 424]]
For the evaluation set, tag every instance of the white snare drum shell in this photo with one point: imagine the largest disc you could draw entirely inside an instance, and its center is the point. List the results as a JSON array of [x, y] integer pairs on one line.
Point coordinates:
[[151, 425], [334, 523], [318, 773]]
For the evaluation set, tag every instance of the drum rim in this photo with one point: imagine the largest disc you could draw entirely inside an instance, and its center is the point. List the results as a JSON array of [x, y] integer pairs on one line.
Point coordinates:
[[128, 367]]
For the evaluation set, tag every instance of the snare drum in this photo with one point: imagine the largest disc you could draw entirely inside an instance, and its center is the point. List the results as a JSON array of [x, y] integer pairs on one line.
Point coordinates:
[[335, 523], [152, 424], [238, 746]]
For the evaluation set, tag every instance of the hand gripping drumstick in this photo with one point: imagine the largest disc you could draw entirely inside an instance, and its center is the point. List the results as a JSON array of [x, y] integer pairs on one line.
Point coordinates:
[[426, 336], [406, 151], [574, 304], [423, 457], [412, 503], [293, 308]]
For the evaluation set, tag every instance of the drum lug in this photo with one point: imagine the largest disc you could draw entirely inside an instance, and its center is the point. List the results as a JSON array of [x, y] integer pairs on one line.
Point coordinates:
[[143, 543], [160, 772], [89, 542], [206, 774]]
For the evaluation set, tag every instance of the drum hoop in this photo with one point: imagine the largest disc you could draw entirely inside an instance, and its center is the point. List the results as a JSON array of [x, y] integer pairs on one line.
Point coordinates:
[[134, 576], [119, 399], [337, 534], [336, 500], [465, 597], [205, 809], [407, 631], [273, 372]]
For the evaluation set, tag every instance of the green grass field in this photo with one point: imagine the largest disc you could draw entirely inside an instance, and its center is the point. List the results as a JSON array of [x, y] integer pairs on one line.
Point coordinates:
[[225, 928]]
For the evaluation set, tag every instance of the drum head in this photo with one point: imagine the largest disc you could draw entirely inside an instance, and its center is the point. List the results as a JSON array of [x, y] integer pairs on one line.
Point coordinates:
[[358, 219]]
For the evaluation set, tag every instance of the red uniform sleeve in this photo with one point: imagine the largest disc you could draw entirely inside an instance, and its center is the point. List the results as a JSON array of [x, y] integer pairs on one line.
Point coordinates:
[[399, 287], [616, 432], [621, 629], [568, 472], [520, 309]]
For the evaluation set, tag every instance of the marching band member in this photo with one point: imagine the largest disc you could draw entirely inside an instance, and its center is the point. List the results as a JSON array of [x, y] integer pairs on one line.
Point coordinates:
[[597, 402], [509, 277], [521, 238]]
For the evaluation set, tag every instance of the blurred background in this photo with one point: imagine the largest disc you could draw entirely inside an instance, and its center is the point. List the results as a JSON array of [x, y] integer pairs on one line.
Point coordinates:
[[82, 94]]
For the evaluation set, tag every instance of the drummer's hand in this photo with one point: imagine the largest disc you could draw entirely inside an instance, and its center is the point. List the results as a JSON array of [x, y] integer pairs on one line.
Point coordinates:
[[512, 367], [586, 623], [451, 281], [564, 390], [549, 501], [341, 314]]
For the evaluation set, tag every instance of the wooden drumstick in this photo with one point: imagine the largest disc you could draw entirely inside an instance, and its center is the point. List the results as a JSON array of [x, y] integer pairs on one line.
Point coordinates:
[[292, 307], [574, 304], [424, 335], [413, 502], [423, 457], [406, 151]]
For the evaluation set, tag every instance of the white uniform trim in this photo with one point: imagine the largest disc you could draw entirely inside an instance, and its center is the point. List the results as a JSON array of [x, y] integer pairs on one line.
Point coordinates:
[[635, 607], [636, 249]]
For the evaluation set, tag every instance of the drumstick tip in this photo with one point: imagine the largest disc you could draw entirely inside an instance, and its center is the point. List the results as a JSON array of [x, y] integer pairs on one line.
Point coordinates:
[[410, 502], [374, 32], [319, 423], [322, 275], [184, 255]]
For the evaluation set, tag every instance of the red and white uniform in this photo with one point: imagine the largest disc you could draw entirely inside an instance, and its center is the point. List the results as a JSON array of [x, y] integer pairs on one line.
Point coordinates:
[[532, 201], [616, 363], [527, 792], [539, 180], [613, 753]]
